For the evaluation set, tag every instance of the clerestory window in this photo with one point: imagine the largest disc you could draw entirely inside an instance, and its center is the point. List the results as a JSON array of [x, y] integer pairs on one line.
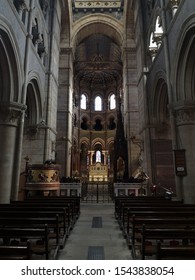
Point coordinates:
[[98, 103], [112, 102], [83, 102]]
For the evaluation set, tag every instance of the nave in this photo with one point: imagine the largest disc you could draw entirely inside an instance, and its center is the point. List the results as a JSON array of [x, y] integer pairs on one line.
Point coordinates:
[[64, 228], [96, 236]]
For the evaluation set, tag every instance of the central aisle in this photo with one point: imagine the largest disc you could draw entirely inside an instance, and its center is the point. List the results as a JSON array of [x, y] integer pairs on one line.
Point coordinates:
[[96, 236]]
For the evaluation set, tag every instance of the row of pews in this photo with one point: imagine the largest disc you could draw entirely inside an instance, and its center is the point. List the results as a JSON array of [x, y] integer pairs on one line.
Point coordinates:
[[157, 228], [37, 227]]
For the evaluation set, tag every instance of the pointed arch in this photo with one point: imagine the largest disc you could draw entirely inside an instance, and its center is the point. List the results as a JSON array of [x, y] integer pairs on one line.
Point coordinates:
[[33, 102], [98, 141], [184, 75], [98, 23], [160, 109], [10, 84]]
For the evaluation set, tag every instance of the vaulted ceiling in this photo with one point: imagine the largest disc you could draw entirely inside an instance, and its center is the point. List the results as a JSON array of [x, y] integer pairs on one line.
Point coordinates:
[[98, 54], [98, 61]]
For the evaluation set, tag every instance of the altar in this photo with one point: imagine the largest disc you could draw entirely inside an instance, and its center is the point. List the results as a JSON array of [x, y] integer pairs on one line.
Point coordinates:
[[98, 172]]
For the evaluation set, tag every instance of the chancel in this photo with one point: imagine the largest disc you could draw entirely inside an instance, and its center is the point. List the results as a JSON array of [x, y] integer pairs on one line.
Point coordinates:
[[97, 121]]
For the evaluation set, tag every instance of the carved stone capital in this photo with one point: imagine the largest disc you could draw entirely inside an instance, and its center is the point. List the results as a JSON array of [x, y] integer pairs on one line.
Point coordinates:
[[185, 116], [10, 113]]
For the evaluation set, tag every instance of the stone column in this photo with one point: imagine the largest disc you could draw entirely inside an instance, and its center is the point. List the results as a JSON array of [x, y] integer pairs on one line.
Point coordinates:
[[185, 122], [65, 110], [9, 115]]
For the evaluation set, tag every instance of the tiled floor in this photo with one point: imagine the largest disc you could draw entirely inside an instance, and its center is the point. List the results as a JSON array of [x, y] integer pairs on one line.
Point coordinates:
[[96, 235]]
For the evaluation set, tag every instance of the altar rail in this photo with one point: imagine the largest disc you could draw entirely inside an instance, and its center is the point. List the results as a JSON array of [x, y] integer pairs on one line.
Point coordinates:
[[130, 189], [70, 189]]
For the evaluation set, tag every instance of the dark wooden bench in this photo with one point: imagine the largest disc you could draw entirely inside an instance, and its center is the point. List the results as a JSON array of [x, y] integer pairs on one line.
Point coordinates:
[[156, 213], [41, 215], [57, 209], [151, 237], [123, 221], [23, 222], [155, 208], [175, 253], [146, 206], [39, 239], [73, 201], [71, 215], [72, 205], [136, 224], [148, 200], [15, 252]]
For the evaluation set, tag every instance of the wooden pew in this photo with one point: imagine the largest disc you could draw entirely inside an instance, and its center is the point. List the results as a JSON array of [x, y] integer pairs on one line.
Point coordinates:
[[184, 236], [124, 207], [175, 253], [69, 209], [174, 213], [37, 212], [73, 201], [15, 252], [23, 222], [134, 235], [41, 215], [148, 200], [72, 206], [39, 239], [57, 209], [142, 203]]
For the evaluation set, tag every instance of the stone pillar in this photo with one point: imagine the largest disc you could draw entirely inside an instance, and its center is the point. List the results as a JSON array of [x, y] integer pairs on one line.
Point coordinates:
[[91, 158], [65, 110], [134, 112], [185, 122], [9, 115]]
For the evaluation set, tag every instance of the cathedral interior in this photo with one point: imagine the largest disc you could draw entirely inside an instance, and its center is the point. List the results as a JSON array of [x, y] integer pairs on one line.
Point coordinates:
[[97, 128], [104, 89]]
